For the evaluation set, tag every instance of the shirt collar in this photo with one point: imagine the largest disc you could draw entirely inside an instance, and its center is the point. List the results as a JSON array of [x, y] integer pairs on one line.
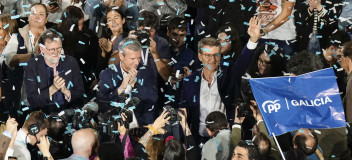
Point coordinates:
[[22, 136], [123, 71]]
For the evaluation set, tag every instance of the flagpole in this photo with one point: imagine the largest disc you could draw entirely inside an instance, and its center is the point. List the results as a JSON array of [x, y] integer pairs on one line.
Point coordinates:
[[278, 145]]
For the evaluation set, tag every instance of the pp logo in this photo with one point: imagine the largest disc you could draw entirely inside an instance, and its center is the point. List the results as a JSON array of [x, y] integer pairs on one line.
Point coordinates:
[[271, 105]]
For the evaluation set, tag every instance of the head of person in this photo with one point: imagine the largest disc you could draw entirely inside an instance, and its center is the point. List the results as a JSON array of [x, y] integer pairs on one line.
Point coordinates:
[[263, 144], [304, 62], [246, 150], [214, 122], [38, 16], [295, 154], [148, 21], [333, 52], [209, 53], [229, 39], [36, 126], [7, 27], [174, 150], [7, 24], [82, 142], [96, 145], [110, 151], [306, 141], [51, 47], [115, 19], [268, 62], [155, 147], [130, 53], [346, 59], [177, 31], [71, 28], [72, 15]]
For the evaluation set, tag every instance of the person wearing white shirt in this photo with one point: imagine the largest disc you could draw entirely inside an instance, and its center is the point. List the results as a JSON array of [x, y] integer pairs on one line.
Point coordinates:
[[35, 127]]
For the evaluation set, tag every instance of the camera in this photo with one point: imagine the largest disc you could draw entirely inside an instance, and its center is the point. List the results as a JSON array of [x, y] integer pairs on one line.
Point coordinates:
[[143, 37], [173, 113], [244, 109]]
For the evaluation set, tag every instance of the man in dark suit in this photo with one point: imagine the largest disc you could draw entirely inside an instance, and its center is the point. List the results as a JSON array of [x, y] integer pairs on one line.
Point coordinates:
[[129, 78], [52, 79], [212, 88]]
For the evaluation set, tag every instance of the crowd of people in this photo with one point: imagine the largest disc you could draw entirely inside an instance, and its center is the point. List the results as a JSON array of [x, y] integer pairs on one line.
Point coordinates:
[[164, 79]]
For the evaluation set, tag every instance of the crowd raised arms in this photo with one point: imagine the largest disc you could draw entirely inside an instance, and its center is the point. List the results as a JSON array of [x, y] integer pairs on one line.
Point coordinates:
[[175, 79]]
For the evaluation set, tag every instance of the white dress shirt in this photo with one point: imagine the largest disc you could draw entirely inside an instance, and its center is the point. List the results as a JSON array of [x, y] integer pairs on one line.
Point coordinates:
[[210, 101]]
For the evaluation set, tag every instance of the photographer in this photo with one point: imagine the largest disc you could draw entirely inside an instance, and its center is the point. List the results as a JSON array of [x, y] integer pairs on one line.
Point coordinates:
[[265, 144], [35, 127], [157, 55], [112, 85]]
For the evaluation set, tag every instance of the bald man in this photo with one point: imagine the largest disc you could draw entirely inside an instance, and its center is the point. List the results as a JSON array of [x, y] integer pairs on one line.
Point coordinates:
[[82, 144]]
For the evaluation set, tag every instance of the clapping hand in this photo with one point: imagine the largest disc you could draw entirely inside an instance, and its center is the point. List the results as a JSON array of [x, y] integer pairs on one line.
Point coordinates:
[[58, 81]]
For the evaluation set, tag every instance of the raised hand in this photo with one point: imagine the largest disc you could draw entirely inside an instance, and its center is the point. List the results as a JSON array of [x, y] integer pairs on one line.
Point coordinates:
[[152, 46], [11, 126], [44, 146], [256, 113], [238, 119], [254, 29], [161, 120]]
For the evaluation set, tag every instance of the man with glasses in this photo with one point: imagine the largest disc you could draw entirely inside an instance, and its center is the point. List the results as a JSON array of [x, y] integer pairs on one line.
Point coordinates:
[[52, 79], [213, 87]]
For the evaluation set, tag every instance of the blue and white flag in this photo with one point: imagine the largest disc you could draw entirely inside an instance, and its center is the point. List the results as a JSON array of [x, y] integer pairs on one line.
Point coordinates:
[[311, 100]]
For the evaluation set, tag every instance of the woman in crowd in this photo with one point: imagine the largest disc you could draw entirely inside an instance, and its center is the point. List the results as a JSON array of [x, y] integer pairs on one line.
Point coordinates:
[[20, 48], [81, 43], [230, 41], [115, 20], [7, 27], [268, 62]]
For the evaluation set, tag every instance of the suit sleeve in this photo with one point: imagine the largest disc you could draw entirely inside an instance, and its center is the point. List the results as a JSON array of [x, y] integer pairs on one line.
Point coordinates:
[[35, 95], [235, 137], [244, 59], [4, 144], [107, 89], [77, 89]]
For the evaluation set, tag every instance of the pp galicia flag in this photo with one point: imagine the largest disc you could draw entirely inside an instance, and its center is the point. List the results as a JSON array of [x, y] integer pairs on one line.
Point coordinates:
[[311, 100]]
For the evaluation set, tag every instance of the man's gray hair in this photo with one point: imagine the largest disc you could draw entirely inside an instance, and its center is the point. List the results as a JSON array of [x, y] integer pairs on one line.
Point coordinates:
[[129, 43], [49, 35]]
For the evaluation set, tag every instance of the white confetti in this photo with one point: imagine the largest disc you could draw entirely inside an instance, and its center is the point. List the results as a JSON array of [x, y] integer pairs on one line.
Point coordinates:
[[83, 62], [71, 28], [68, 72]]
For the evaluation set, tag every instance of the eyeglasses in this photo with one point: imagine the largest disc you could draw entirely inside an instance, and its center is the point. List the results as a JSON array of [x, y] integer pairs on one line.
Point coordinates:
[[52, 51], [262, 62], [209, 56]]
